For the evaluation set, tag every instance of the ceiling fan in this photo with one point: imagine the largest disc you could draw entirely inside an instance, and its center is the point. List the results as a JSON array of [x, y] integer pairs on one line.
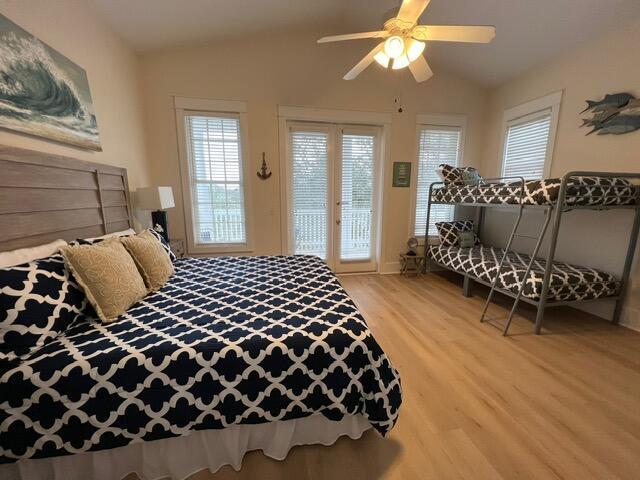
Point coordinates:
[[405, 40]]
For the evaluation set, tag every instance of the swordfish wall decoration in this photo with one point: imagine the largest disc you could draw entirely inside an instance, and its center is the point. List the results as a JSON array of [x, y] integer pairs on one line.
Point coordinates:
[[616, 113]]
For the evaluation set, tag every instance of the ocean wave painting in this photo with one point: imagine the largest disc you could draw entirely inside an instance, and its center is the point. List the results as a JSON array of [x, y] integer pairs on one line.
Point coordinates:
[[42, 92]]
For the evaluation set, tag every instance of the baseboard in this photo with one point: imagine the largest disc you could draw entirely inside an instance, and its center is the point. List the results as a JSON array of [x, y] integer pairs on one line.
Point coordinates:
[[631, 318], [389, 268]]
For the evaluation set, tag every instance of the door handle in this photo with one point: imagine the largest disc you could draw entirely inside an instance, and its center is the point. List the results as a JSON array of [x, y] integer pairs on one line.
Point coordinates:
[[337, 222]]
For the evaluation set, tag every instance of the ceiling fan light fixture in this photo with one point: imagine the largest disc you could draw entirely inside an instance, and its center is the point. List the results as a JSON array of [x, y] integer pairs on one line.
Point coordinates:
[[394, 46], [382, 59], [415, 49], [400, 62]]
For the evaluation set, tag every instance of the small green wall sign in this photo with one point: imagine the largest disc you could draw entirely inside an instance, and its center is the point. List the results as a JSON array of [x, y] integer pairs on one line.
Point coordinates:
[[401, 174]]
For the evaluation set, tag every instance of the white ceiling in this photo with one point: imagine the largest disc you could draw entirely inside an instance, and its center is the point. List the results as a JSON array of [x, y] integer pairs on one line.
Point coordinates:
[[528, 31]]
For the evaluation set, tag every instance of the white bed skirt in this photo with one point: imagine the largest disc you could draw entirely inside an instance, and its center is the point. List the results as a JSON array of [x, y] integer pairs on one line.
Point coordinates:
[[180, 457]]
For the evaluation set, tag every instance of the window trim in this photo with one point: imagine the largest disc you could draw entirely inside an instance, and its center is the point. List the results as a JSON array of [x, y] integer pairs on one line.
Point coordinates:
[[436, 121], [213, 108], [529, 111]]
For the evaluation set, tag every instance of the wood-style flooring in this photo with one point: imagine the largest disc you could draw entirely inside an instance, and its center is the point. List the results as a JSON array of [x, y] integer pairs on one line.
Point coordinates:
[[564, 405]]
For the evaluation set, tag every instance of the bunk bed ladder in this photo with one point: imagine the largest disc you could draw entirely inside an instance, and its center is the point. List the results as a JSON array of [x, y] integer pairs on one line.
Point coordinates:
[[523, 280]]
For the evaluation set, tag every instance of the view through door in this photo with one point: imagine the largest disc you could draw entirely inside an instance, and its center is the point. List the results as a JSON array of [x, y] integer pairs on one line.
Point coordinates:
[[333, 201]]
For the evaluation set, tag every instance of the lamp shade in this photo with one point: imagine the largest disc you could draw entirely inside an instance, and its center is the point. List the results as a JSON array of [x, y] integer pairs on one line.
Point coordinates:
[[155, 198]]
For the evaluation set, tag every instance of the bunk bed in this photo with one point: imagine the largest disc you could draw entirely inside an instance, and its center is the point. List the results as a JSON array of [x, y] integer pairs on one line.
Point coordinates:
[[542, 282]]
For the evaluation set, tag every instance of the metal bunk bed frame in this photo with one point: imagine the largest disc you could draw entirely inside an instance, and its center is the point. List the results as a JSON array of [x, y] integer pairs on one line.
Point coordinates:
[[553, 210]]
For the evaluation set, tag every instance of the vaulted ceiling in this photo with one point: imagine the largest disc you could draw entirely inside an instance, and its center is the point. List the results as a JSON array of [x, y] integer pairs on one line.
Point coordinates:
[[528, 31]]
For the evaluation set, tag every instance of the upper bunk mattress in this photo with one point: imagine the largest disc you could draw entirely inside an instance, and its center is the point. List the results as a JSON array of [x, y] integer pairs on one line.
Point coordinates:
[[228, 340], [568, 282], [581, 191]]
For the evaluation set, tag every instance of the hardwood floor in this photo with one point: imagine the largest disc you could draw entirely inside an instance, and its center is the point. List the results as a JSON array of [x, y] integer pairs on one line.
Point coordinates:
[[565, 405]]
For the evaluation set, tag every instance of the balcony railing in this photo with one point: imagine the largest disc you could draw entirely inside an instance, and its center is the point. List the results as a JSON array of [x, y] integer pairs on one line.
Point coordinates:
[[310, 232]]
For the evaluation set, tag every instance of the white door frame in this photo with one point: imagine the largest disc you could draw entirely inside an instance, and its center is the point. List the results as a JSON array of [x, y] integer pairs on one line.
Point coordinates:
[[288, 114]]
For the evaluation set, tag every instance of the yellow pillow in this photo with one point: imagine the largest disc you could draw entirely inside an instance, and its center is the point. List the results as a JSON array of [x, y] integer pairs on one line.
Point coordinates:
[[107, 274], [151, 259]]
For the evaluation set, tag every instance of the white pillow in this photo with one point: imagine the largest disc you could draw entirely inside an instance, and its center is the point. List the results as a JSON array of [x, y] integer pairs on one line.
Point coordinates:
[[24, 255], [121, 233]]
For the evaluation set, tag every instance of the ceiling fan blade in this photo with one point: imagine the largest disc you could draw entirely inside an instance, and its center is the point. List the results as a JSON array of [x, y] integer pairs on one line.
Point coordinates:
[[364, 63], [420, 69], [410, 10], [354, 36], [455, 33]]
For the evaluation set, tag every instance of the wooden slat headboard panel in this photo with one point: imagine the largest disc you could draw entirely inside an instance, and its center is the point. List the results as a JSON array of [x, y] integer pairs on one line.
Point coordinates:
[[44, 197]]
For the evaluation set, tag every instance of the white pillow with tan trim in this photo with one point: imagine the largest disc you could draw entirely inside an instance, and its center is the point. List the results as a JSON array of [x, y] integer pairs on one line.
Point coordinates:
[[25, 255]]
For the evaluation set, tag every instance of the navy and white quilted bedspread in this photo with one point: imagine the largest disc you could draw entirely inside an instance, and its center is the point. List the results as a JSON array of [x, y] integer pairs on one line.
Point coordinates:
[[228, 340]]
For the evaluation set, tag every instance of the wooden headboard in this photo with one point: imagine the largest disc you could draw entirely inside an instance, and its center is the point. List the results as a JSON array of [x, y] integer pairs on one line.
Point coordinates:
[[44, 197]]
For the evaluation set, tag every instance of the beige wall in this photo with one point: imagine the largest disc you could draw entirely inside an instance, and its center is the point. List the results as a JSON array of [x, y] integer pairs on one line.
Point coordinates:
[[75, 31], [605, 65], [294, 70]]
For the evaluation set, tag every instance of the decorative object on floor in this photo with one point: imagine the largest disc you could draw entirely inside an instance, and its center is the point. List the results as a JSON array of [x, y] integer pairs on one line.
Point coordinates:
[[411, 265], [158, 200], [412, 243], [615, 114], [405, 40], [264, 172], [42, 92], [401, 174]]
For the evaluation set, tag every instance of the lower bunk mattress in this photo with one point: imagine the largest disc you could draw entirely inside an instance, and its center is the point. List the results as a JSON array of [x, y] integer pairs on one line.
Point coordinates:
[[568, 282], [581, 191], [227, 341]]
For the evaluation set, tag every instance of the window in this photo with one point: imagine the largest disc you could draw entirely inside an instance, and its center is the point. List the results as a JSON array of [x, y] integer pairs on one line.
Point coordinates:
[[525, 149], [529, 132], [436, 145], [310, 176], [215, 197]]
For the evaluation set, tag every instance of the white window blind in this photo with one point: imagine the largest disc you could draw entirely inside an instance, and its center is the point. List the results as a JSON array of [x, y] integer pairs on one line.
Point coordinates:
[[217, 190], [310, 158], [525, 147], [437, 145], [356, 202]]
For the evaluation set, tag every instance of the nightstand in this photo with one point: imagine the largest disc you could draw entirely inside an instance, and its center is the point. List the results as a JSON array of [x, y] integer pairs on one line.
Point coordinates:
[[411, 265], [177, 247]]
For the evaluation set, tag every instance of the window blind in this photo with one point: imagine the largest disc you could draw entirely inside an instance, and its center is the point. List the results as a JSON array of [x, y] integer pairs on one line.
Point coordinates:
[[310, 157], [217, 190], [356, 202], [437, 145], [525, 149]]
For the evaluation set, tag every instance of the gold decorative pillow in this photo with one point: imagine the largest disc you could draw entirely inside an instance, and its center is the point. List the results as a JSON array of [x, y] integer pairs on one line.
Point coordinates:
[[107, 274], [151, 259]]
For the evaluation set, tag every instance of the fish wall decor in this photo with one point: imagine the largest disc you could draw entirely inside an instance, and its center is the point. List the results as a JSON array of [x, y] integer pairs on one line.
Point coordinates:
[[616, 113]]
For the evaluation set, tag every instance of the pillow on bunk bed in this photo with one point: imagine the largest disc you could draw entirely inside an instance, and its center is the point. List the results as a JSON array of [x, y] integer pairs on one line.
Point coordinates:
[[450, 232], [458, 175]]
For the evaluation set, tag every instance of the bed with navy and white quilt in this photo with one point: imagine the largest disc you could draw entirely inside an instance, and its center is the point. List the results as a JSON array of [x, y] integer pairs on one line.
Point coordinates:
[[227, 341]]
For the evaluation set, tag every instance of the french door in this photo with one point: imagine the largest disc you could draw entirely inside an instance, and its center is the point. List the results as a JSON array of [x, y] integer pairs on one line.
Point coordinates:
[[332, 173]]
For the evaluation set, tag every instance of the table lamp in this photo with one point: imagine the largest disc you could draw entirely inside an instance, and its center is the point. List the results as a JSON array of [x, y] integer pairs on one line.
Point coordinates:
[[157, 199]]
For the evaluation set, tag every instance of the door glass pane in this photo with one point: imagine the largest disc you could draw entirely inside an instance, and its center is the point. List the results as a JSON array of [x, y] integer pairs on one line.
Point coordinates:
[[356, 196], [310, 156]]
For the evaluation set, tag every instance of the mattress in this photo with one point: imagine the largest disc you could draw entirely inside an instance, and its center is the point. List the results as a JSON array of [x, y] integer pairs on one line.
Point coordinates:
[[568, 282], [227, 341], [581, 191]]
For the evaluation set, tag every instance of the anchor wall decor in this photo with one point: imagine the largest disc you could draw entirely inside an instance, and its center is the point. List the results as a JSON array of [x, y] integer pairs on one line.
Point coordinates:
[[264, 172]]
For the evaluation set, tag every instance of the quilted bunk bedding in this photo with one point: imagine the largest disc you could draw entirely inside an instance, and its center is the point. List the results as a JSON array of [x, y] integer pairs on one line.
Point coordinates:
[[228, 340], [568, 282], [581, 191]]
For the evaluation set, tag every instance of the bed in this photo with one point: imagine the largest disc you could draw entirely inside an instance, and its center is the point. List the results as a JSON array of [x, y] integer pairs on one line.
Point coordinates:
[[232, 354], [568, 282], [581, 191]]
